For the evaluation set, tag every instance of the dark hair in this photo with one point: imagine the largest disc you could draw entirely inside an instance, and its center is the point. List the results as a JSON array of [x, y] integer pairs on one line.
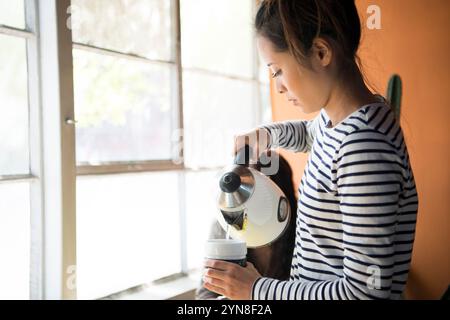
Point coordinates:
[[292, 25]]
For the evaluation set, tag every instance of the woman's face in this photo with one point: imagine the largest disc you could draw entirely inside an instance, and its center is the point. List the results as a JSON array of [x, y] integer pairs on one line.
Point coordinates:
[[307, 88]]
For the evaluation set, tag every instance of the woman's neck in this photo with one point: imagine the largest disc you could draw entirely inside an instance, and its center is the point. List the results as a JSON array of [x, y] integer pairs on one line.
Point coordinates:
[[347, 97]]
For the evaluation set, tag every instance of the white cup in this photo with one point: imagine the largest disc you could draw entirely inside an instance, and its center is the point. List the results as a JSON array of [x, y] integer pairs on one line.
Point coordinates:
[[228, 250]]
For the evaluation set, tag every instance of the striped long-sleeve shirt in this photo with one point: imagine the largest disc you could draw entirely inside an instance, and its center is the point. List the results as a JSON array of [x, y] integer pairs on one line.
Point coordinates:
[[357, 208]]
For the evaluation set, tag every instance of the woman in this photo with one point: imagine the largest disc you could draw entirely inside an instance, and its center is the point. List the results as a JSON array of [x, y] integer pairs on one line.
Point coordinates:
[[273, 261], [358, 202]]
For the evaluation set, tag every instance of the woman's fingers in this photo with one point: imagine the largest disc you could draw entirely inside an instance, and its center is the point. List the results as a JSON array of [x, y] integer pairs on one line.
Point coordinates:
[[214, 288], [230, 279], [216, 274], [218, 282], [219, 264]]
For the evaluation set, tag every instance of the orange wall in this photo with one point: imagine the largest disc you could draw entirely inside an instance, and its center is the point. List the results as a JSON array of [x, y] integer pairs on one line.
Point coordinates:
[[413, 42]]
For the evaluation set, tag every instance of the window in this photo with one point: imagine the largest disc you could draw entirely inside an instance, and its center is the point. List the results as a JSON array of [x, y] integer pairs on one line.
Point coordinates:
[[123, 109], [218, 54], [225, 91], [12, 13], [14, 106], [123, 80], [128, 231], [139, 27], [15, 178], [15, 240], [154, 121]]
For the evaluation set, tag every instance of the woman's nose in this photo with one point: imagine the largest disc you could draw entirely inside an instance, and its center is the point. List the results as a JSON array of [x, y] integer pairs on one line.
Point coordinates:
[[280, 87]]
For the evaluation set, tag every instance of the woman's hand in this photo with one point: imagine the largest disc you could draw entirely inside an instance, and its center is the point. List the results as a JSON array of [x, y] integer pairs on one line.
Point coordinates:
[[230, 279]]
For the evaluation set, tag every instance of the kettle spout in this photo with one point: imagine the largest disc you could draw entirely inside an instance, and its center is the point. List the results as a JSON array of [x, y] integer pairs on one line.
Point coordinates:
[[235, 219]]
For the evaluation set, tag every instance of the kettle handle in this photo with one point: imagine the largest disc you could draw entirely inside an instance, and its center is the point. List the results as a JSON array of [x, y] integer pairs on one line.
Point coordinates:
[[243, 156]]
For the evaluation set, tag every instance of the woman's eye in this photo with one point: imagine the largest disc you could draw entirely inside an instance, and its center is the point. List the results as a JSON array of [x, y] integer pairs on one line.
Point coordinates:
[[276, 74]]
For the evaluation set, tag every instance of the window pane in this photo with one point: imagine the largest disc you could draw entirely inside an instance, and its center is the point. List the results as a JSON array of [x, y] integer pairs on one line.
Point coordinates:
[[14, 241], [266, 107], [123, 108], [13, 106], [215, 109], [141, 27], [12, 13], [201, 190], [221, 40], [263, 72], [127, 231]]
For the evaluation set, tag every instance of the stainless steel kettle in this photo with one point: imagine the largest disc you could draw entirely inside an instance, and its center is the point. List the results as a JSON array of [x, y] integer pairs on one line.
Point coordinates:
[[251, 206]]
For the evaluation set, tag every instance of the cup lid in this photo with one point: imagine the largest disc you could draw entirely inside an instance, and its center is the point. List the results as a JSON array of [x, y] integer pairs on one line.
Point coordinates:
[[225, 249]]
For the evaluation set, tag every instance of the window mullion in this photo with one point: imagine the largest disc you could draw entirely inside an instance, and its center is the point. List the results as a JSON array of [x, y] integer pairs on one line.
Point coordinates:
[[182, 222], [58, 150], [128, 167], [120, 55], [15, 32], [35, 138], [177, 140]]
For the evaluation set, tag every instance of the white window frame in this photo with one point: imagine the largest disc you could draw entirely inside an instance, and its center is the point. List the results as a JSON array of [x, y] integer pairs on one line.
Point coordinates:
[[51, 145], [58, 176]]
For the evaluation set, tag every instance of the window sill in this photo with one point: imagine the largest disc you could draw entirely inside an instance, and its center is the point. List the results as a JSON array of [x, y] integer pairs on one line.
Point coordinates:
[[182, 288]]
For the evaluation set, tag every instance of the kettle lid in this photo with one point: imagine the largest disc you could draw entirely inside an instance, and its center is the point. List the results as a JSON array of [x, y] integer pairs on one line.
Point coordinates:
[[237, 185]]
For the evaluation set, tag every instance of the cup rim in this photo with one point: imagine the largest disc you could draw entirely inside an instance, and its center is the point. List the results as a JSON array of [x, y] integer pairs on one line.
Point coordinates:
[[225, 249]]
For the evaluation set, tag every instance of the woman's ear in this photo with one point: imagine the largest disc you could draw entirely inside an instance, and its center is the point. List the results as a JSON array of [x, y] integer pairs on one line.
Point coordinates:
[[322, 51]]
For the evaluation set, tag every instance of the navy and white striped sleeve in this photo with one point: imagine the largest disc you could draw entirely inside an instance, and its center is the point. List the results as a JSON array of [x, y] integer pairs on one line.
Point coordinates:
[[296, 136], [370, 175], [370, 178]]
